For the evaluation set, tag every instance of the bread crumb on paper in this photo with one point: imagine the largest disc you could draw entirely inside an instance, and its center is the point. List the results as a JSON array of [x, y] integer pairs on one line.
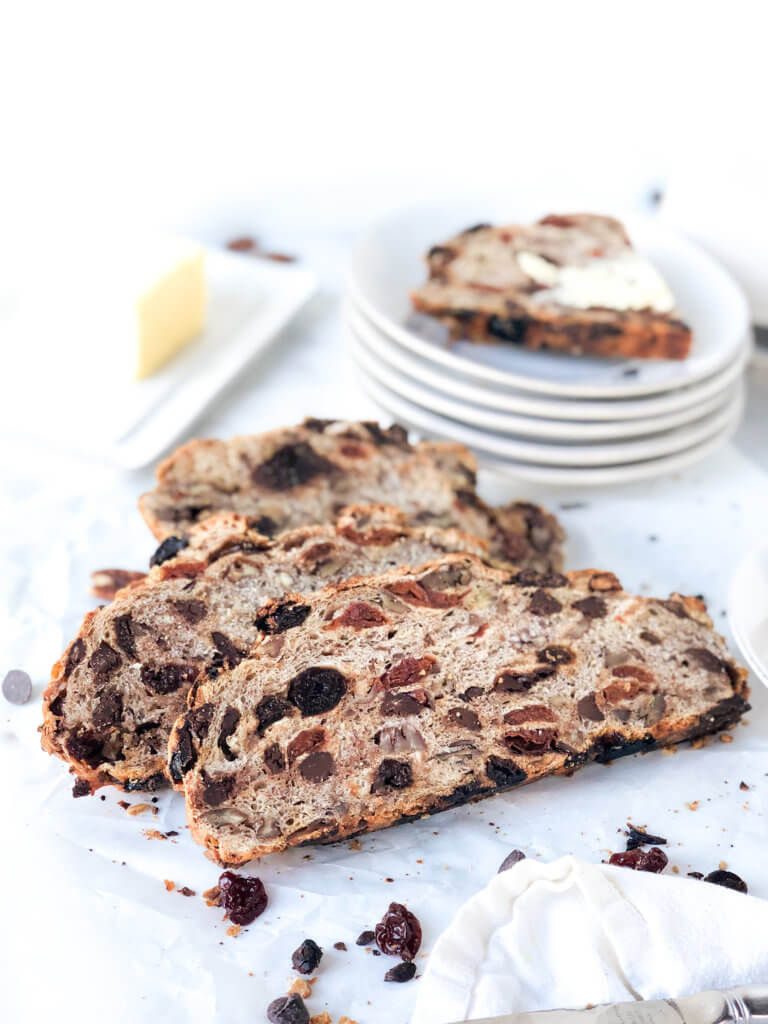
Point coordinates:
[[169, 885], [320, 1018], [135, 809], [152, 833], [301, 988], [233, 930], [725, 737], [693, 805]]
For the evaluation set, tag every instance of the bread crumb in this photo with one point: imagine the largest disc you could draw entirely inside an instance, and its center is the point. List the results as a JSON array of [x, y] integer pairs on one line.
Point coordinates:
[[186, 891], [233, 930], [124, 804], [320, 1018], [697, 744], [673, 750], [355, 844], [301, 988], [152, 833], [693, 805], [743, 786], [212, 896], [140, 809], [346, 1020], [723, 865], [169, 885], [725, 737]]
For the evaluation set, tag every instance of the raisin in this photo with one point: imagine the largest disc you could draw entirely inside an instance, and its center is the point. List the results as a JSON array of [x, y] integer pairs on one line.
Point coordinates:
[[304, 742], [654, 860], [543, 604], [229, 721], [74, 657], [273, 759], [591, 607], [85, 747], [243, 897], [183, 756], [531, 741], [216, 791], [269, 710], [317, 767], [150, 783], [517, 682], [365, 938], [639, 837], [231, 655], [407, 672], [168, 678], [191, 611], [170, 547], [341, 946], [504, 772], [199, 719], [401, 972], [707, 659], [264, 525], [288, 1010], [316, 690], [727, 879], [359, 616], [556, 655], [392, 774], [532, 578], [650, 638], [277, 618], [465, 718], [510, 860], [81, 788], [676, 607], [306, 958], [108, 710], [588, 709], [291, 466], [471, 693], [508, 328], [124, 635], [104, 660], [398, 933]]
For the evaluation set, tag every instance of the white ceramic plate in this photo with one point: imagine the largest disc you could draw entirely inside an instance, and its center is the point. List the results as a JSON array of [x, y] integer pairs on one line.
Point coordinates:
[[389, 261], [131, 422], [432, 425], [748, 610], [671, 433], [475, 406]]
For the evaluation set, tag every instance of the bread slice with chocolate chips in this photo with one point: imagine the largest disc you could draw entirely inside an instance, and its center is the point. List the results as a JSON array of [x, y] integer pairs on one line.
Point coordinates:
[[568, 282], [407, 693], [122, 682], [298, 475]]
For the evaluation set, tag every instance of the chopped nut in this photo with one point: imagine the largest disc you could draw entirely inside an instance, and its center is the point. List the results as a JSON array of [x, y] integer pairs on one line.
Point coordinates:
[[320, 1018], [355, 844], [212, 896], [152, 833], [233, 930], [697, 744], [140, 809], [346, 1020], [693, 805], [723, 865], [725, 737], [300, 988], [169, 885]]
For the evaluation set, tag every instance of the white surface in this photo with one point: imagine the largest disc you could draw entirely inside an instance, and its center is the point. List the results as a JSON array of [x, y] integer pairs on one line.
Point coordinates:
[[748, 609], [54, 392], [389, 261], [601, 412], [85, 939], [520, 426], [570, 934]]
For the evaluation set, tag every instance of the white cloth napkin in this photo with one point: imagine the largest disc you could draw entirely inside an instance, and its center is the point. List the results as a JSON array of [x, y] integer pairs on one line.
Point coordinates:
[[568, 934]]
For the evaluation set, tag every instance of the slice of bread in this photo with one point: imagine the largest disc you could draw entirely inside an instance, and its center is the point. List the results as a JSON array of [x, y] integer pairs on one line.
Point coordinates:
[[407, 693]]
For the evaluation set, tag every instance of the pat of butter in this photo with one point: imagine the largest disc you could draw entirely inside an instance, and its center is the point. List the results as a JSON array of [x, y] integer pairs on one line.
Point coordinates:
[[625, 281]]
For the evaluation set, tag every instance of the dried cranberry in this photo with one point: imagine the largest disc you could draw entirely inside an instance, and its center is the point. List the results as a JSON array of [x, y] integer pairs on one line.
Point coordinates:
[[401, 972], [316, 690], [398, 933], [306, 958], [727, 879], [288, 1010], [242, 897], [654, 860], [170, 547]]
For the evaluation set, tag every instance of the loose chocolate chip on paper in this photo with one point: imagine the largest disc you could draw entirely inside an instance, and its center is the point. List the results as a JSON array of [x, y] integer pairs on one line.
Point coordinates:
[[402, 972], [510, 860], [17, 686], [288, 1010]]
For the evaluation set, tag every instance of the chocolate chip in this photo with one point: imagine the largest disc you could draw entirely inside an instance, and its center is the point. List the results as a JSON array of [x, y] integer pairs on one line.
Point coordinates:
[[365, 938], [191, 611], [727, 879], [471, 693], [307, 957], [183, 756], [75, 656], [165, 679], [170, 547], [392, 774], [231, 655], [316, 690], [543, 604], [273, 759], [199, 719], [104, 660], [85, 747], [81, 788], [342, 946], [288, 1010], [588, 709], [401, 972], [216, 791], [591, 607], [17, 687], [518, 682], [398, 703], [706, 659], [503, 771], [395, 434], [639, 837], [532, 578], [278, 618], [108, 709], [229, 722], [264, 525], [317, 767], [465, 718], [269, 710], [510, 860], [554, 655], [124, 635], [291, 466]]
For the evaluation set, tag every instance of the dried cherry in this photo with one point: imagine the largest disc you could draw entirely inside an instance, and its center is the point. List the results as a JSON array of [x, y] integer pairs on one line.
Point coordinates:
[[398, 933], [242, 897]]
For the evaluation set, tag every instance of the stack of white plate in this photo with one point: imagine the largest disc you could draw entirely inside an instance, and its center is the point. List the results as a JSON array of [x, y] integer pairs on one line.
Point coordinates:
[[542, 416]]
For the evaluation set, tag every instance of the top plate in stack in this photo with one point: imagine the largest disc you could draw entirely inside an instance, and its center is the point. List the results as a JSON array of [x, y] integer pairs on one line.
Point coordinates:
[[511, 403]]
